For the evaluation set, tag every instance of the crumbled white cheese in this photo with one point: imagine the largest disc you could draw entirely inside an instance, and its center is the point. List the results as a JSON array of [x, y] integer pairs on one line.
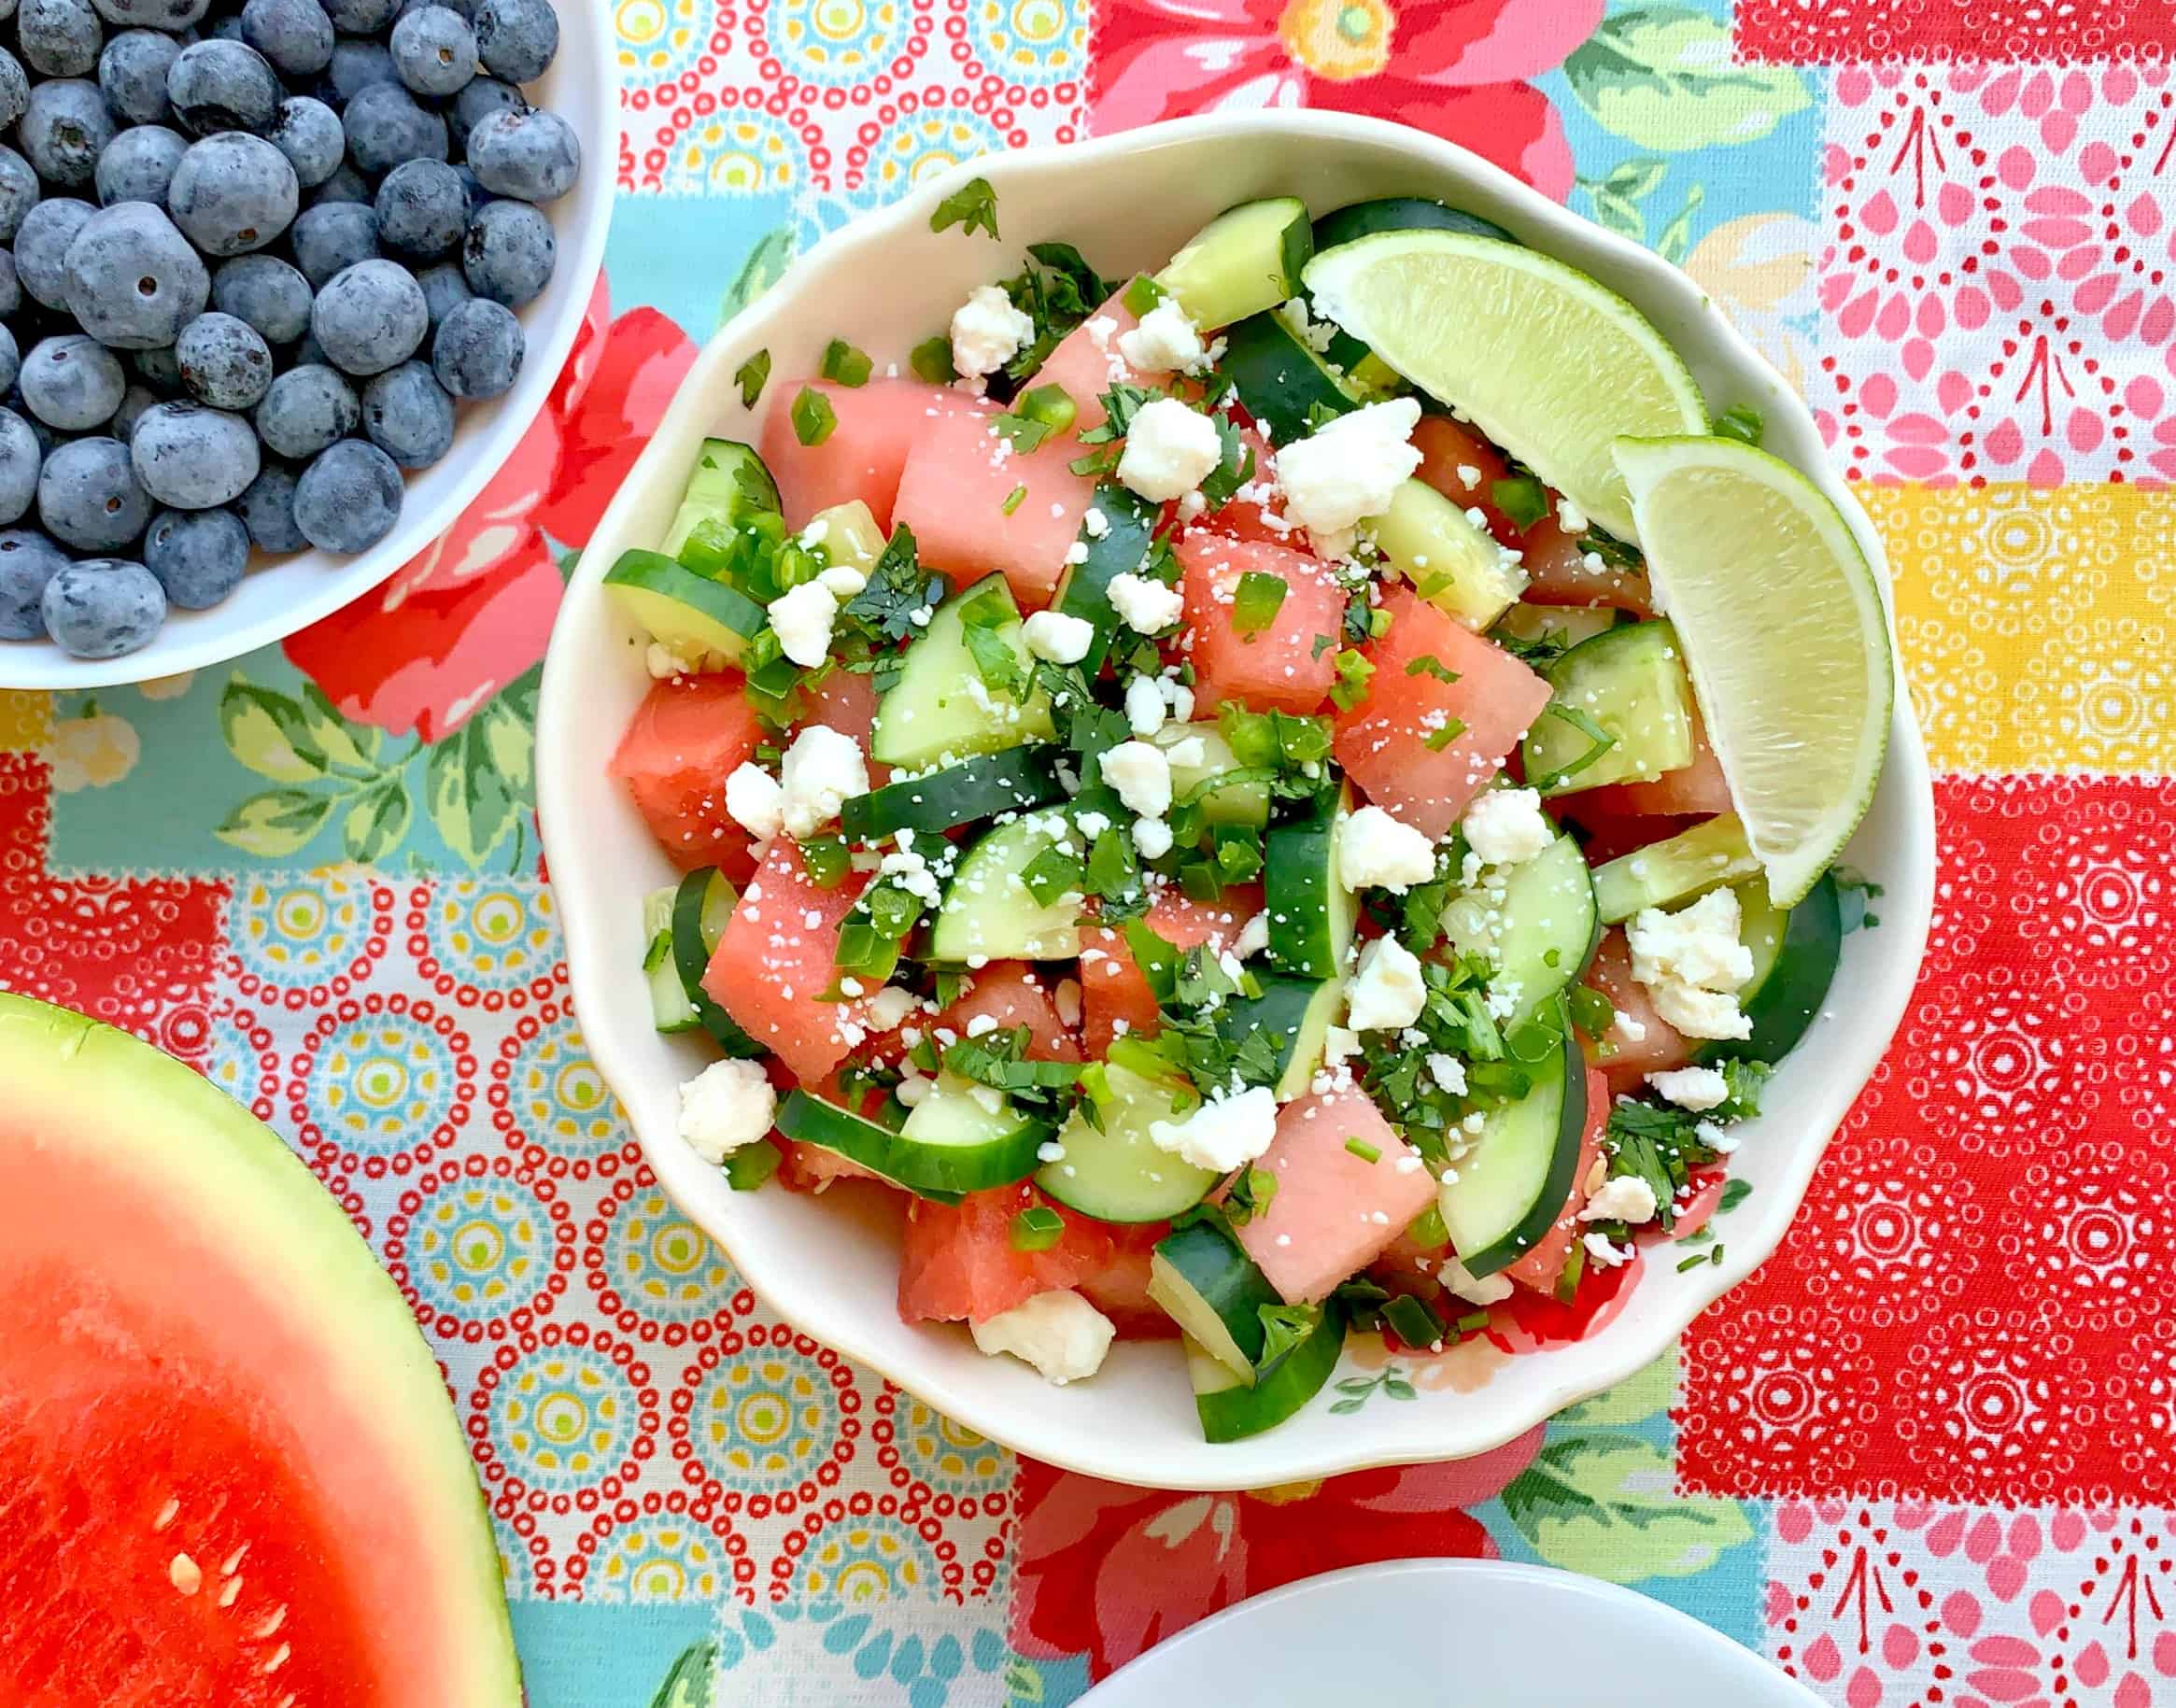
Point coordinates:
[[1059, 1333], [1253, 936], [1375, 851], [1339, 1044], [913, 1088], [663, 663], [822, 771], [1144, 706], [1151, 837], [1058, 637], [754, 800], [1570, 518], [804, 616], [889, 1006], [1147, 606], [1388, 991], [1170, 450], [1142, 777], [1474, 1289], [727, 1105], [1697, 1089], [842, 581], [987, 331], [1599, 1251], [1691, 963], [1506, 826], [1696, 1013], [1348, 470], [1094, 522], [1092, 825], [1627, 1198], [1221, 1134], [1447, 1071], [1165, 342]]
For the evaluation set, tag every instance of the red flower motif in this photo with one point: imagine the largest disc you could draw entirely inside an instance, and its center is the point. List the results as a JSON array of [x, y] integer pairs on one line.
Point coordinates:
[[1112, 1570], [1458, 68], [472, 610]]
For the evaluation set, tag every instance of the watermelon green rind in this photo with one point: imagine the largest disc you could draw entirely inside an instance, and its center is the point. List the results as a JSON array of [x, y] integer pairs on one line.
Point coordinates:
[[270, 1240]]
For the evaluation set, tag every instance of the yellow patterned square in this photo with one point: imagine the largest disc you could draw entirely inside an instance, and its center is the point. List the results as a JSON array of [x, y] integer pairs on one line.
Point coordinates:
[[2036, 623], [26, 719]]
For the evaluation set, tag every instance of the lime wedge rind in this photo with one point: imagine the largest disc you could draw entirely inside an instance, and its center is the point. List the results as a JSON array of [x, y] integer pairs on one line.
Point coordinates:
[[1545, 361], [1785, 636]]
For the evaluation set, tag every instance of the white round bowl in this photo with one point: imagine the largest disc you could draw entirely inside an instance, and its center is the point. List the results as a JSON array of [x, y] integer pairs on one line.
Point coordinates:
[[281, 594], [830, 1266]]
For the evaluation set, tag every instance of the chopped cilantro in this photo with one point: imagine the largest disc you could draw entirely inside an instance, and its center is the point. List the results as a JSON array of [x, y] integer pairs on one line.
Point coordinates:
[[1257, 601], [1521, 497], [1436, 740], [1057, 290], [1284, 1328], [1427, 665], [750, 376], [1741, 421], [999, 1060], [898, 586], [1037, 1228], [973, 207], [1601, 741], [931, 361], [1234, 465], [812, 417], [1251, 1194], [845, 364]]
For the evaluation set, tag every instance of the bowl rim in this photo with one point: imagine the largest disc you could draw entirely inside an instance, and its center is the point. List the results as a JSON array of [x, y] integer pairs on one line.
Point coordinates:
[[1904, 930], [203, 640]]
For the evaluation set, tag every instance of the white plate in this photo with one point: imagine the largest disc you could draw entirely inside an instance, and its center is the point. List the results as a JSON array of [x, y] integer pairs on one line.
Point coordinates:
[[831, 1269], [281, 594], [1451, 1634]]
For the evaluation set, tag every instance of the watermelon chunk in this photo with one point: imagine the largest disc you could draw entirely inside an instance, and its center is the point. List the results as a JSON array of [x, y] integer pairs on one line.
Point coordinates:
[[958, 1261], [1558, 574], [1279, 665], [1087, 363], [1383, 742], [683, 741], [1259, 515], [1012, 994], [1540, 1267], [958, 479], [1113, 988], [1657, 1046], [777, 958], [1119, 1290], [228, 1469], [878, 424], [1334, 1213], [1447, 448]]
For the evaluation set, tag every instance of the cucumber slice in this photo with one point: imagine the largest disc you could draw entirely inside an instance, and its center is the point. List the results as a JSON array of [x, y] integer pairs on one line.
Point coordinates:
[[962, 1147], [700, 620], [1246, 260], [1401, 213], [1129, 522], [1119, 1173], [669, 1007], [700, 908], [1565, 625], [1297, 1015], [1280, 379], [1539, 934], [1631, 682], [1794, 962], [1510, 1185], [938, 711], [730, 485], [977, 788], [1677, 869], [1454, 563], [1244, 801], [1229, 1410], [1311, 913], [1211, 1288], [988, 915]]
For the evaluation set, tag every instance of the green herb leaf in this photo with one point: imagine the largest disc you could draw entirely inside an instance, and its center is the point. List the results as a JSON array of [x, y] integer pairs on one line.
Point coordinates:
[[826, 860], [1601, 740], [844, 364], [1427, 665], [750, 376], [1234, 465], [1521, 497], [931, 361], [812, 415], [1741, 421], [1012, 501], [898, 586], [1057, 290], [1251, 1194], [1052, 874], [1037, 1228], [999, 1060], [1436, 740], [1121, 404], [1257, 601], [971, 207], [752, 1164]]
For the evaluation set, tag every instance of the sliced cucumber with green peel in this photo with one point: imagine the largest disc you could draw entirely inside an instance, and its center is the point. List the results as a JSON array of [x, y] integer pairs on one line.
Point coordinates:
[[1229, 1410], [1245, 801], [1296, 1015], [697, 619], [938, 710], [1678, 868], [669, 1007], [1246, 260], [1280, 379], [952, 1142], [988, 913], [1542, 931], [1129, 524], [1794, 962], [1631, 682], [1564, 624], [963, 794], [729, 485], [702, 906], [1510, 1185], [1209, 1287], [1311, 913], [1119, 1173], [1453, 562]]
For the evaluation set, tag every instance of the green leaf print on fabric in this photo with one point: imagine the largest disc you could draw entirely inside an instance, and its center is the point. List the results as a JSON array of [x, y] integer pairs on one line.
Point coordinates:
[[276, 822], [270, 733], [1664, 78], [481, 779], [687, 1685], [766, 264], [1608, 1505]]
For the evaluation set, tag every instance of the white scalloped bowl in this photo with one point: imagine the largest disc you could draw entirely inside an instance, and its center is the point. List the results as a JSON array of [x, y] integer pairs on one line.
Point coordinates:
[[281, 594], [830, 1267]]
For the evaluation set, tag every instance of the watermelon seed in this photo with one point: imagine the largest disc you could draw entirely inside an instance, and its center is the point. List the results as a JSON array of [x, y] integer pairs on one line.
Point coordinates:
[[275, 1622], [167, 1514], [232, 1593], [185, 1574], [233, 1561], [279, 1659]]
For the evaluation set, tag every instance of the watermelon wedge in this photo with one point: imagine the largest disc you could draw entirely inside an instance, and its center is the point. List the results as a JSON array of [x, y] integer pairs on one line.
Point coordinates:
[[684, 740], [227, 1469]]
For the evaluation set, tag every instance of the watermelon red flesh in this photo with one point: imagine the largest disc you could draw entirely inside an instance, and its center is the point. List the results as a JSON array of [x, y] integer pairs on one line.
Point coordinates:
[[1657, 1047], [960, 476], [958, 1261], [878, 424], [1255, 518], [1012, 994], [778, 956], [1558, 574], [1279, 665], [1113, 988], [1540, 1267], [1087, 363], [1383, 742], [1121, 1288], [683, 741], [228, 1470], [1334, 1213]]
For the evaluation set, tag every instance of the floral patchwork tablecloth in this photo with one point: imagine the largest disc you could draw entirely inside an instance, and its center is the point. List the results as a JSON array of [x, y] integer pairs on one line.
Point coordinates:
[[1924, 1457]]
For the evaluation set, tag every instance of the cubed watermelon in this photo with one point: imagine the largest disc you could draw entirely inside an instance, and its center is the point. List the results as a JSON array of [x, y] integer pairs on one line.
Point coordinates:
[[1650, 1044], [1113, 988], [1540, 1267], [1334, 1213], [778, 958], [1087, 363], [1279, 666], [684, 740], [1392, 743], [845, 700], [1012, 994], [1121, 1288], [958, 1261], [878, 424], [1464, 467], [958, 481], [1558, 573]]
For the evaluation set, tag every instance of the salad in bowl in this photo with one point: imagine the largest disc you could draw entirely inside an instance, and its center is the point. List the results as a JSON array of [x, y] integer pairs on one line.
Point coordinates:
[[1283, 800]]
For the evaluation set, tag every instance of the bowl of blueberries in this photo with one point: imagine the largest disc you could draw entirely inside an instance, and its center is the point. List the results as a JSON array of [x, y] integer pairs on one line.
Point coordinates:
[[285, 282]]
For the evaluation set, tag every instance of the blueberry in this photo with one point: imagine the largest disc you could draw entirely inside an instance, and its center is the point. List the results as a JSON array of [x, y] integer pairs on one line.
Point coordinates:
[[370, 317], [515, 39], [48, 440], [532, 156], [307, 409], [20, 457], [133, 401], [294, 35], [132, 280], [385, 127], [332, 237], [355, 65], [89, 497], [473, 187], [11, 287], [345, 185], [19, 192], [232, 192], [224, 29], [266, 292], [224, 361], [509, 252], [27, 561], [482, 96], [433, 50], [159, 367], [444, 289], [191, 457], [349, 499], [308, 133], [138, 164], [41, 247], [103, 607], [362, 17], [197, 555], [132, 75], [63, 130], [73, 383], [174, 16], [308, 352], [60, 37], [463, 9], [407, 415], [10, 358], [14, 89], [267, 510], [477, 351], [422, 208], [220, 86]]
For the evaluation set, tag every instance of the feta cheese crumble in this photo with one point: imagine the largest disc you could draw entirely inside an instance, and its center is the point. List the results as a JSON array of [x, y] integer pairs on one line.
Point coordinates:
[[1165, 342], [889, 1006], [842, 581], [1144, 705], [1474, 1289], [1388, 991], [1348, 471], [1142, 777], [1627, 1198], [1508, 827], [1693, 964], [1375, 851], [1253, 936], [1223, 1133], [1170, 450], [1697, 1089], [987, 331], [822, 769], [804, 616], [1059, 1334], [1151, 837], [1060, 639], [754, 800], [1147, 606], [726, 1106]]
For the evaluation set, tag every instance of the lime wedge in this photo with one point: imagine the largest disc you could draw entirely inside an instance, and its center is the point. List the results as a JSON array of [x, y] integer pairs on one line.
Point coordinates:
[[1784, 631], [1544, 361]]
